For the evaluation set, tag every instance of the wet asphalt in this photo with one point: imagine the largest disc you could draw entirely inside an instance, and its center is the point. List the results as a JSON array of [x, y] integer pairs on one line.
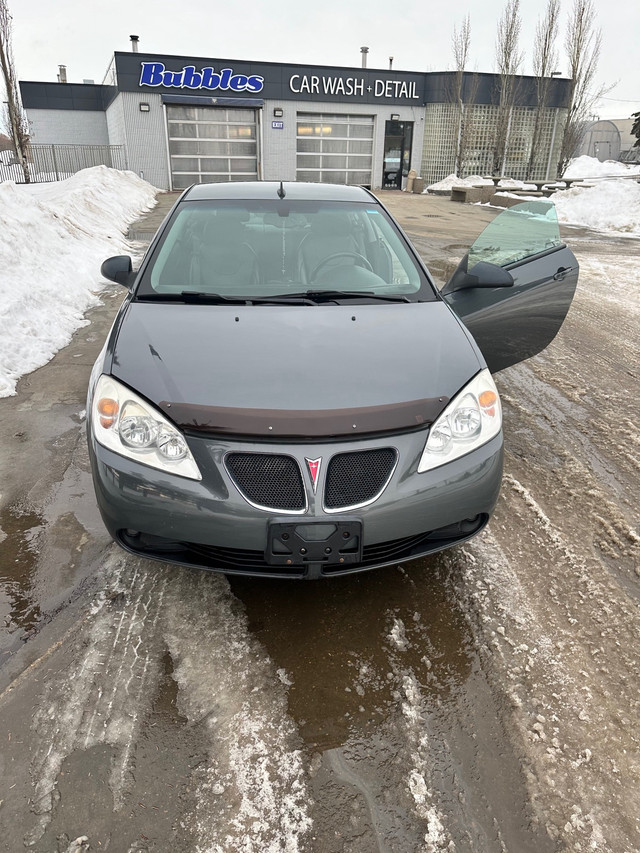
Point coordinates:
[[146, 707]]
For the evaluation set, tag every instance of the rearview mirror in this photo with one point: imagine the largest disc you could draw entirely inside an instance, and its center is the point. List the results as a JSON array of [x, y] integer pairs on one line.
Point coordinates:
[[483, 274], [119, 269]]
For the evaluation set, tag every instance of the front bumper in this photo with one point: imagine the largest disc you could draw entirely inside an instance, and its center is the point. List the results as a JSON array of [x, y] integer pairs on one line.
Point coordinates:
[[210, 525]]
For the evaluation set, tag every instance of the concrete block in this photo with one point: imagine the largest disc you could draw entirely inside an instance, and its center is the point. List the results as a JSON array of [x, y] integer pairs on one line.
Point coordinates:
[[467, 195]]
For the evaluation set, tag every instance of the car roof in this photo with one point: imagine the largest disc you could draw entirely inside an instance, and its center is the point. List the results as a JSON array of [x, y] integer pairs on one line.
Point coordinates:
[[269, 189]]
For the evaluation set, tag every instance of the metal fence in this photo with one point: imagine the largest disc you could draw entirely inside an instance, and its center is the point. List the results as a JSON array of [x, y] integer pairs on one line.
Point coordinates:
[[57, 162]]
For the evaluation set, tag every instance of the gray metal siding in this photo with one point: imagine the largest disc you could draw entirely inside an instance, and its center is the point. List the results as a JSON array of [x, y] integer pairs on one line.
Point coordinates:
[[115, 123], [62, 127], [142, 133], [146, 137]]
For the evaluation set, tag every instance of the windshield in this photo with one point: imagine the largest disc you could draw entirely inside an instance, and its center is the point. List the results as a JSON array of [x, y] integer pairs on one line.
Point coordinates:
[[258, 249]]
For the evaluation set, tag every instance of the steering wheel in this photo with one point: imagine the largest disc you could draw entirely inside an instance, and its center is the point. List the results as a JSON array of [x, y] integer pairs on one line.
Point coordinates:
[[361, 261]]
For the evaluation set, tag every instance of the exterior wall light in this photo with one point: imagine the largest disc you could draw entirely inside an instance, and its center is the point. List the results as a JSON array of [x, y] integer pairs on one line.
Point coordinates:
[[278, 112], [144, 108], [395, 117]]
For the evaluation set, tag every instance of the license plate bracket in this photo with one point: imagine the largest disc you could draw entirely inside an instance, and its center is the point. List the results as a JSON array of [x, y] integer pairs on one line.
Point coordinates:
[[299, 543]]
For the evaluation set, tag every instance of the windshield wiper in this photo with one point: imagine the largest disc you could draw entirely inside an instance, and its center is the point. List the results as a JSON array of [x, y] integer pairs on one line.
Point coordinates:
[[306, 297], [211, 298], [192, 296], [218, 299], [316, 296]]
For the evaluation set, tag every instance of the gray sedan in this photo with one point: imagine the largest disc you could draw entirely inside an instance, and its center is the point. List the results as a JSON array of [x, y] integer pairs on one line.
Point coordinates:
[[285, 392]]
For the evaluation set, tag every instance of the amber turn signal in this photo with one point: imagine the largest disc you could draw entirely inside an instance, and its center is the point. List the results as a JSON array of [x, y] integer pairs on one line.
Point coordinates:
[[488, 401], [108, 410]]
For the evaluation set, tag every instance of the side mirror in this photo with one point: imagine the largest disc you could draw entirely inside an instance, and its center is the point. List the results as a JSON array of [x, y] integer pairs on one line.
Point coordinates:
[[483, 274], [119, 269]]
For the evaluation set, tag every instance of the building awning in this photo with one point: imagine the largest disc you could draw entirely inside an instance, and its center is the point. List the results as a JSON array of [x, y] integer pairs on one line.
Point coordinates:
[[209, 101]]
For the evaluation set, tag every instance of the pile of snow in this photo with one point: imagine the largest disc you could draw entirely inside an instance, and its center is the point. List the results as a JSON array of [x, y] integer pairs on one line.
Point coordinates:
[[53, 238], [591, 167], [454, 181], [514, 184], [612, 205]]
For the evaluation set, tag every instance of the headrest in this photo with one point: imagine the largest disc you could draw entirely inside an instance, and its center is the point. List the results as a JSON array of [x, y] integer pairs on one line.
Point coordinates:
[[332, 223], [226, 225]]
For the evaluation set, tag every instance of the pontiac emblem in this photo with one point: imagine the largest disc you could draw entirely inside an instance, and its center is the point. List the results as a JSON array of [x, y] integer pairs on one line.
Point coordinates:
[[314, 470]]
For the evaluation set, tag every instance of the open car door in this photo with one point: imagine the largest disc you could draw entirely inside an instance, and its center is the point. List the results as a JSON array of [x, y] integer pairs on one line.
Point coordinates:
[[514, 287]]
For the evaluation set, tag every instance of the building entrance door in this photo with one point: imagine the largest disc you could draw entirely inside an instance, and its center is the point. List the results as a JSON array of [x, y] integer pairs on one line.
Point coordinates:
[[398, 137]]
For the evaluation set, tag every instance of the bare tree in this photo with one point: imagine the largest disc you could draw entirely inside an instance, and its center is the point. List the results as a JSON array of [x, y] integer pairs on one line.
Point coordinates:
[[460, 43], [583, 43], [17, 121], [635, 129], [508, 60], [545, 58]]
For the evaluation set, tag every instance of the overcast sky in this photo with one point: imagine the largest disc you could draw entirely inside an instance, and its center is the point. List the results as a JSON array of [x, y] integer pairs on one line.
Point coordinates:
[[417, 33]]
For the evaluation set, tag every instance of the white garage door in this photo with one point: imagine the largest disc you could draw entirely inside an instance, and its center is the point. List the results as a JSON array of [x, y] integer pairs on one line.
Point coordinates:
[[334, 149], [211, 144]]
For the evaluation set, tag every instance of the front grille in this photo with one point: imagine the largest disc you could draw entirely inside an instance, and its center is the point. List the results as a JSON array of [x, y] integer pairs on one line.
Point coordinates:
[[268, 480], [357, 478]]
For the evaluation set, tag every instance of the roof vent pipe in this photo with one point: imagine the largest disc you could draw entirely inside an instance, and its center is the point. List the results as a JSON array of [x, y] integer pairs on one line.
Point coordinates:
[[390, 63], [62, 73], [134, 43], [364, 51]]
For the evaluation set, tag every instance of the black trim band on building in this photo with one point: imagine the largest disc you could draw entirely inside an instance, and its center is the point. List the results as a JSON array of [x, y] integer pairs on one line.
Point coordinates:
[[272, 80], [205, 101], [66, 96], [238, 82]]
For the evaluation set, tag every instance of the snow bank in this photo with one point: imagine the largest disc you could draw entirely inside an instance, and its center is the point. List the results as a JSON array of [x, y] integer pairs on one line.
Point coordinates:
[[591, 167], [474, 181], [612, 205], [53, 238], [447, 183], [454, 181]]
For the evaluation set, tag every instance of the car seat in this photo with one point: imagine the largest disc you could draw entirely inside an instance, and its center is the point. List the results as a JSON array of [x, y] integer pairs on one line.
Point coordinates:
[[226, 262], [330, 234]]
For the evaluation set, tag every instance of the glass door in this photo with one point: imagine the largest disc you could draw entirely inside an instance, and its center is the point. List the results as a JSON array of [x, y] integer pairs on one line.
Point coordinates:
[[398, 136]]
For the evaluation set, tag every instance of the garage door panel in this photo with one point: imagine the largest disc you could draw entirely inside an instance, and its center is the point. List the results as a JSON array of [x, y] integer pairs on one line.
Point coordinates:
[[214, 164], [184, 129], [185, 164], [360, 131], [211, 144], [359, 162], [176, 113], [334, 148], [309, 161], [182, 181]]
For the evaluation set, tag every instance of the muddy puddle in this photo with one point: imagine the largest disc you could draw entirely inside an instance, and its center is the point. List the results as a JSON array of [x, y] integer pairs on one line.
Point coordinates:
[[190, 712], [19, 606], [397, 718]]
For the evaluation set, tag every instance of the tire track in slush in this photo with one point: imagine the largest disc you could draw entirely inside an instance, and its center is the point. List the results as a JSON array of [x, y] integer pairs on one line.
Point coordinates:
[[92, 703], [251, 796], [251, 793], [564, 651]]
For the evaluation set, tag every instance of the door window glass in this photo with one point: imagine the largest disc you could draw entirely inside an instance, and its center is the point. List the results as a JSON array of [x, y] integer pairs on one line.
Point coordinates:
[[519, 232]]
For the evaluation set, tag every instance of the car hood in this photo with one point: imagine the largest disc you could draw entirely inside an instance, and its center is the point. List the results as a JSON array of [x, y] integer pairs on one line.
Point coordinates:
[[275, 371]]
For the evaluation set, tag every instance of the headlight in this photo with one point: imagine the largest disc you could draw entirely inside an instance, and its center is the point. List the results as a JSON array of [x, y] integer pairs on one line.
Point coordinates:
[[471, 419], [128, 425]]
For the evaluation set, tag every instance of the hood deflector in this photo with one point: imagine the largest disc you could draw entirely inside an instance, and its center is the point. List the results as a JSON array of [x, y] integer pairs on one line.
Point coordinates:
[[322, 423]]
